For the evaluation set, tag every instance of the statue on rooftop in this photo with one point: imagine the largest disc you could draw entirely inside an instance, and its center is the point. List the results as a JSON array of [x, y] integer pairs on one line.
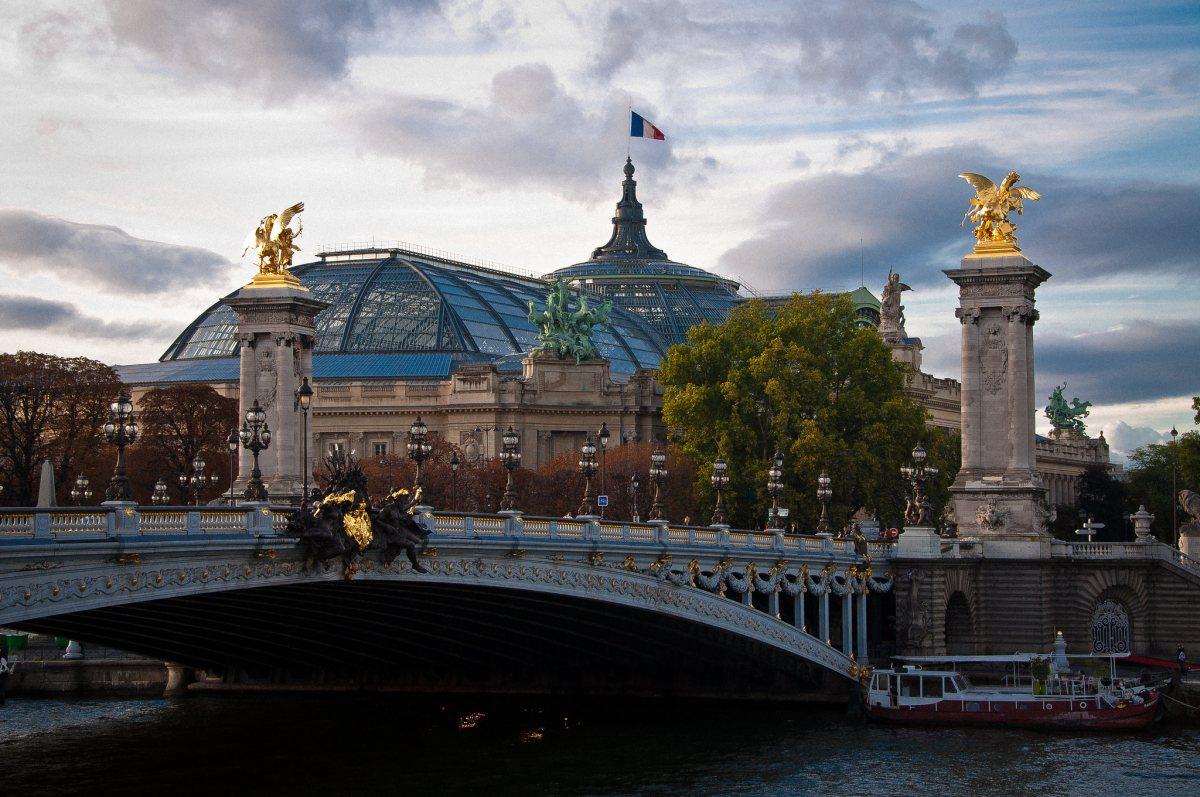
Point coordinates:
[[567, 334], [1064, 416], [891, 312], [274, 240], [990, 208]]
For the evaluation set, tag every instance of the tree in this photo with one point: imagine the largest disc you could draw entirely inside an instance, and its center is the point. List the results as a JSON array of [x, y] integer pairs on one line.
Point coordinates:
[[1149, 476], [802, 377], [52, 408], [1103, 499], [177, 423]]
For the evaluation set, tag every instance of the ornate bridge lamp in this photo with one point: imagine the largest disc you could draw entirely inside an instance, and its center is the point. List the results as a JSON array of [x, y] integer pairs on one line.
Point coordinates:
[[774, 487], [510, 455], [419, 448], [233, 441], [919, 511], [82, 491], [587, 466], [720, 479], [824, 495], [658, 474], [454, 465], [303, 401], [198, 481], [121, 430], [603, 436], [635, 483], [256, 437], [160, 496]]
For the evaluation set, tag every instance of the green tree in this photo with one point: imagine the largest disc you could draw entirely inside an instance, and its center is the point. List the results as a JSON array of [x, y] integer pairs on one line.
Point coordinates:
[[1149, 475], [805, 378]]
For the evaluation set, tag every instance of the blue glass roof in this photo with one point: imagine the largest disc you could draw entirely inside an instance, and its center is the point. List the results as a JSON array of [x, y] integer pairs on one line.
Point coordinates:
[[325, 366], [392, 301]]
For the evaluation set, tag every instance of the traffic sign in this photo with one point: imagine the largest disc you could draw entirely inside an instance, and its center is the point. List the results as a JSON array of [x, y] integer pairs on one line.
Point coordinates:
[[783, 511], [602, 500]]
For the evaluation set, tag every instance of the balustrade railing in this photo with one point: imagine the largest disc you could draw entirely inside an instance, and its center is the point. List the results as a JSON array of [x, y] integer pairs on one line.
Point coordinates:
[[128, 520]]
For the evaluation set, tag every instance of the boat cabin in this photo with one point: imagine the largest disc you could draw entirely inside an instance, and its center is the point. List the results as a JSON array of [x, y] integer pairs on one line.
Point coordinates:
[[915, 687]]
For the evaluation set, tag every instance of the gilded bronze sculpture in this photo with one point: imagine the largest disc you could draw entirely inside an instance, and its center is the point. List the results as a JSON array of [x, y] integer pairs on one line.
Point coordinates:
[[994, 233], [274, 241]]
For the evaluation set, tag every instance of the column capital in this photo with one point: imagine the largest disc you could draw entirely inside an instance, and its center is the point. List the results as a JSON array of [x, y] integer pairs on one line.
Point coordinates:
[[967, 315]]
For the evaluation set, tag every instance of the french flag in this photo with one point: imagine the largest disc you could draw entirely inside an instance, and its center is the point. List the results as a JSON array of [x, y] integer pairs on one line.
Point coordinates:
[[639, 127]]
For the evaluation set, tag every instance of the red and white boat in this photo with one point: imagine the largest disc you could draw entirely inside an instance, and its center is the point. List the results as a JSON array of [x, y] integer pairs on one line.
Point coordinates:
[[931, 690]]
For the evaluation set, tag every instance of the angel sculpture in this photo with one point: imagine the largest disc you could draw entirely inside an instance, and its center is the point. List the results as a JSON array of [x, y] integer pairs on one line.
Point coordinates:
[[891, 312], [274, 240], [991, 205]]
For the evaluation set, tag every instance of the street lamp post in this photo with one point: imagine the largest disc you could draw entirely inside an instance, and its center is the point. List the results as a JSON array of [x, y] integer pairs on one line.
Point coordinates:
[[419, 448], [602, 436], [824, 495], [774, 487], [635, 482], [454, 465], [1174, 487], [121, 430], [255, 437], [160, 496], [720, 478], [82, 491], [919, 511], [197, 481], [510, 455], [587, 466], [658, 474], [303, 401], [233, 441]]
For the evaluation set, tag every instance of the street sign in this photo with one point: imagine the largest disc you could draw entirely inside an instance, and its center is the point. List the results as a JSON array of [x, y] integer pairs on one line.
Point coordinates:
[[1089, 529], [602, 500], [783, 511]]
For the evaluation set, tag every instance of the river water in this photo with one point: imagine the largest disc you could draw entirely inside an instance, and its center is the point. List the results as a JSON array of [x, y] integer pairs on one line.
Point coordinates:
[[419, 745]]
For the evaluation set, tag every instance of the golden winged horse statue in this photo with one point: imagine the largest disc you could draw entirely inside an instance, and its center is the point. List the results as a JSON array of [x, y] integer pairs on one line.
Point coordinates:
[[274, 242], [990, 208]]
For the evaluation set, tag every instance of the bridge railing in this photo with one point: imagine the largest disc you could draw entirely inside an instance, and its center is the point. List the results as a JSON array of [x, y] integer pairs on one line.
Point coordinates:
[[461, 525], [83, 524], [1150, 549]]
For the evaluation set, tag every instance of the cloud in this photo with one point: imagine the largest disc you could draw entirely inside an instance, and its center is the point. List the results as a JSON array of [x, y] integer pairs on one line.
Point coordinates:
[[1124, 439], [824, 48], [278, 48], [43, 315], [106, 257], [1139, 360], [530, 132], [907, 207]]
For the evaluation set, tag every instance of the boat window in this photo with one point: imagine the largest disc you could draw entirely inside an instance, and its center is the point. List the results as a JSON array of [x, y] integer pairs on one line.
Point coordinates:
[[932, 686], [960, 682], [951, 685], [883, 682], [910, 685]]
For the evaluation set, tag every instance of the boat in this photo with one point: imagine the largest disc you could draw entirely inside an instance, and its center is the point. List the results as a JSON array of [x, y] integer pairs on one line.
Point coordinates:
[[933, 690]]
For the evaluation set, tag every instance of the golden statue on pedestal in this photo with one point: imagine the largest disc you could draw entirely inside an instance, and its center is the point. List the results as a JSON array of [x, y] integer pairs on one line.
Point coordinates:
[[274, 241], [994, 233]]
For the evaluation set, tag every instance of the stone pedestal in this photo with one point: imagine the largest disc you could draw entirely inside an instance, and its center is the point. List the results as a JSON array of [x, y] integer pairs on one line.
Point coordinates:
[[276, 338], [998, 495]]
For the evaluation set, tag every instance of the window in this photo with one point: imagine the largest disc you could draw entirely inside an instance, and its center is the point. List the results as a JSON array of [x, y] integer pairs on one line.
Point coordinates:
[[932, 686], [337, 449], [910, 685], [379, 449]]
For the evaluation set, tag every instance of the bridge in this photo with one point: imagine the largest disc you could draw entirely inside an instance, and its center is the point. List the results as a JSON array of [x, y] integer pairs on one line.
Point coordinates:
[[223, 587]]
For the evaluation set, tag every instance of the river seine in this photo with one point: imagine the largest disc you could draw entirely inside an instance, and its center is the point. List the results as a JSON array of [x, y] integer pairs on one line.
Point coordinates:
[[393, 743]]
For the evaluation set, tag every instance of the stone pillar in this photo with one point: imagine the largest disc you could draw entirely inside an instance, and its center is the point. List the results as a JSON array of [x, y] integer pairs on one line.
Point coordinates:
[[825, 616], [276, 336], [860, 625], [848, 623], [998, 494]]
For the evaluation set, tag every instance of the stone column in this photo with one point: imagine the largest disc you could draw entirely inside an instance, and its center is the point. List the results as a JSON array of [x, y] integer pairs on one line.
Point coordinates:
[[276, 332], [860, 625], [997, 494]]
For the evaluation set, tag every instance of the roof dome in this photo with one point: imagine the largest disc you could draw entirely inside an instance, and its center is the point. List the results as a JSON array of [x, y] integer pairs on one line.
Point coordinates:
[[639, 277], [390, 301]]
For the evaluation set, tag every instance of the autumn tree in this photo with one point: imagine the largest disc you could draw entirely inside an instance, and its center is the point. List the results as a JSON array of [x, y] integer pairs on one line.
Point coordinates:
[[177, 423], [53, 408], [804, 378]]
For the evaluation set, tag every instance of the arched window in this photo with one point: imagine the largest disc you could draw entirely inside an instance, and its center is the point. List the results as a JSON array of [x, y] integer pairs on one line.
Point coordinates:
[[960, 641], [1110, 628]]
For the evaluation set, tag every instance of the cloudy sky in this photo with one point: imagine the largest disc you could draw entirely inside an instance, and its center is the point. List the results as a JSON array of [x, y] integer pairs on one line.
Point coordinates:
[[143, 139]]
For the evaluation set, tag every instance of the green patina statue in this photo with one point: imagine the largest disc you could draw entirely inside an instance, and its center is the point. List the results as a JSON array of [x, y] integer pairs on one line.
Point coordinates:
[[1068, 417], [567, 334]]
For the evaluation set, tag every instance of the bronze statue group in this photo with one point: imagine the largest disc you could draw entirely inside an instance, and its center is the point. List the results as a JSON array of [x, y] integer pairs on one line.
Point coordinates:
[[343, 521]]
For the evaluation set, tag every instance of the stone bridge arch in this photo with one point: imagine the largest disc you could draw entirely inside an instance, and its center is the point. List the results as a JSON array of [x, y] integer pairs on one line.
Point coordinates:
[[1125, 586], [485, 611]]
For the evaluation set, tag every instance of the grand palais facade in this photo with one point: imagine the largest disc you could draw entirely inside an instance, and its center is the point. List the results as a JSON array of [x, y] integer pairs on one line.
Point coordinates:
[[408, 332]]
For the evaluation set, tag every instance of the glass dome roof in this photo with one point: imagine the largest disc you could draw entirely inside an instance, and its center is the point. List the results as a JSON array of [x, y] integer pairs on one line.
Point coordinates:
[[395, 300], [639, 277]]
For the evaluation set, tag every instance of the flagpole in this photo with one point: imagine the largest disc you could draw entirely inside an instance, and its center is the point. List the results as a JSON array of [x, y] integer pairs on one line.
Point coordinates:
[[628, 135]]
